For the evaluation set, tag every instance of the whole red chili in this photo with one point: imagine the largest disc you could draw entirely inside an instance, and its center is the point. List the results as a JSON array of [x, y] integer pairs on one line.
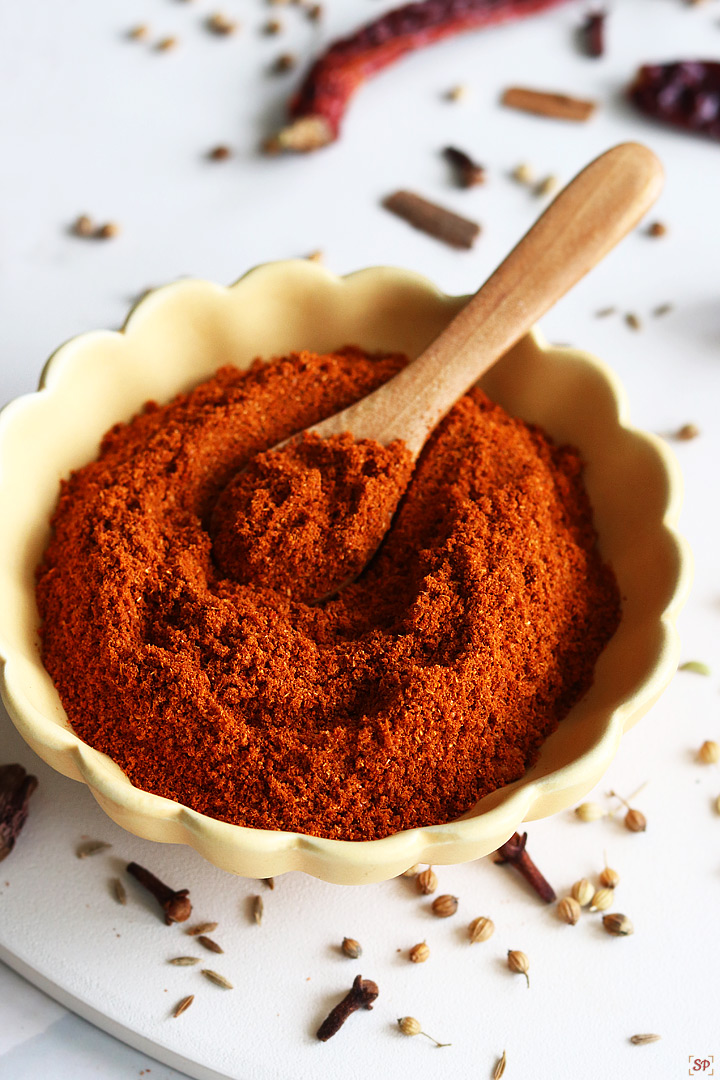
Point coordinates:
[[317, 109], [685, 94]]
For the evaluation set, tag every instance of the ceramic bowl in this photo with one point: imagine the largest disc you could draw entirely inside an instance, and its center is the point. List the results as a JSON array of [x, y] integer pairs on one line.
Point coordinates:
[[177, 336]]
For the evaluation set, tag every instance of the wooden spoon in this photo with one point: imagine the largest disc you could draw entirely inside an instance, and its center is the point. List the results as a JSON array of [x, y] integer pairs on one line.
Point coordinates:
[[586, 220]]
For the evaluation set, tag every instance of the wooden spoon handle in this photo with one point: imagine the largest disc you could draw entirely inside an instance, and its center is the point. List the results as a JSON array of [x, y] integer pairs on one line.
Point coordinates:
[[588, 218]]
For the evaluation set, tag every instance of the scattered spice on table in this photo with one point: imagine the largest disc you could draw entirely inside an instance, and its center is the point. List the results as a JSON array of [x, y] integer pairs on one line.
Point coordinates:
[[270, 882], [514, 852], [184, 961], [410, 1026], [219, 153], [166, 44], [583, 892], [457, 93], [435, 220], [217, 979], [351, 948], [643, 1040], [518, 963], [333, 719], [633, 321], [139, 32], [687, 432], [481, 929], [426, 881], [361, 995], [657, 229], [209, 944], [220, 24], [618, 925], [317, 109], [602, 899], [568, 910], [697, 667], [547, 186], [604, 312], [684, 94], [315, 12], [119, 891], [709, 752], [419, 953], [499, 1070], [273, 26], [91, 847], [258, 908], [444, 906], [284, 62], [467, 171], [201, 928], [182, 1005], [175, 904], [16, 787], [662, 309], [524, 173], [589, 811], [609, 878], [544, 103], [593, 33]]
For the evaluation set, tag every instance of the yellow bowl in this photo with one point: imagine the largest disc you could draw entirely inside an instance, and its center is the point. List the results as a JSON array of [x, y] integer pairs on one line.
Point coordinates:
[[177, 336]]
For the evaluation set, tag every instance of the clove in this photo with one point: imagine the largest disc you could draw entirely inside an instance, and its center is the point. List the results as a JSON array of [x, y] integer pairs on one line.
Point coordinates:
[[176, 905], [361, 995], [467, 171], [16, 787], [514, 851]]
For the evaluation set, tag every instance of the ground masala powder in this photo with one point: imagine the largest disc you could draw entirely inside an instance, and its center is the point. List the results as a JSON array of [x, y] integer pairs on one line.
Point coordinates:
[[429, 682]]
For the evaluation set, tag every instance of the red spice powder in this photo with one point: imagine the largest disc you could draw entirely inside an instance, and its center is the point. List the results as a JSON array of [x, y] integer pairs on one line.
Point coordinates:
[[307, 517], [429, 682]]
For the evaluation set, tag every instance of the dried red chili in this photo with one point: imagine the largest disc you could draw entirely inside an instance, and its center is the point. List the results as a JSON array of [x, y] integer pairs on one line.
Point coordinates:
[[685, 94], [317, 109], [429, 682]]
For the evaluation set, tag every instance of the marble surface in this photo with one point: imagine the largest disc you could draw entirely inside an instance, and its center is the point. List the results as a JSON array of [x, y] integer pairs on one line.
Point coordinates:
[[113, 128]]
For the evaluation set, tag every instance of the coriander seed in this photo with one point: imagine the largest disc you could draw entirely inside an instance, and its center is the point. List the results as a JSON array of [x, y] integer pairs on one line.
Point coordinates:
[[427, 881], [547, 186], [108, 231], [635, 821], [419, 953], [481, 929], [523, 173], [568, 910], [609, 878], [410, 1026], [220, 24], [602, 900], [351, 948], [518, 963], [589, 811], [412, 871], [583, 892], [618, 925], [444, 906], [657, 229], [457, 93], [687, 432], [84, 226], [709, 752]]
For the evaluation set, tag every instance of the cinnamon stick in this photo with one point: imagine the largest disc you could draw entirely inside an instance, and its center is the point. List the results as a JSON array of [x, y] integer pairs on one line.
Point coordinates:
[[445, 225], [542, 103]]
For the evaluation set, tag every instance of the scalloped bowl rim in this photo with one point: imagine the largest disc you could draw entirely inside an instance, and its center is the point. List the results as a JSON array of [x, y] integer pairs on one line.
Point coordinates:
[[337, 860]]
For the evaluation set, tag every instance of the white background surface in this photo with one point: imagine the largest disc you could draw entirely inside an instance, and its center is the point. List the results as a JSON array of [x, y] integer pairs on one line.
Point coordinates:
[[90, 122]]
